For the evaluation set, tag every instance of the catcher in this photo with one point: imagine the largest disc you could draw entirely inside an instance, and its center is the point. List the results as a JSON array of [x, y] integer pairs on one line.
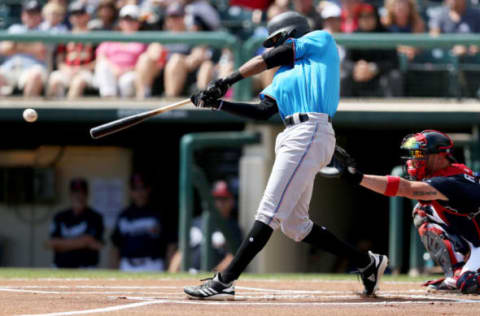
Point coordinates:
[[446, 215]]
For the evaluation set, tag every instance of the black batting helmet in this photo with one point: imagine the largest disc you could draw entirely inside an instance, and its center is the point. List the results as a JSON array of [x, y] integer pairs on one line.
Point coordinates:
[[285, 25]]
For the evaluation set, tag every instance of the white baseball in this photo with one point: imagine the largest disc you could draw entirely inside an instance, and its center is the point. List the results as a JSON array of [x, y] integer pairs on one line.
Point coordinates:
[[30, 115]]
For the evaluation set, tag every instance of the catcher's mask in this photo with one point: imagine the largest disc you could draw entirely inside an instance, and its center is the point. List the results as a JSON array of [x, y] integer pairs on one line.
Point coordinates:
[[286, 25], [418, 146]]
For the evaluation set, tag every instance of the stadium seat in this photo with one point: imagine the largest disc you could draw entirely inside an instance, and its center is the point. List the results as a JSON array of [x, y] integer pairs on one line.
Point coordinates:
[[432, 73]]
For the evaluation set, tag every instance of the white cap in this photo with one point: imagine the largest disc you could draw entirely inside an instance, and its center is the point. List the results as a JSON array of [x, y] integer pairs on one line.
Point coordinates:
[[130, 10], [331, 11]]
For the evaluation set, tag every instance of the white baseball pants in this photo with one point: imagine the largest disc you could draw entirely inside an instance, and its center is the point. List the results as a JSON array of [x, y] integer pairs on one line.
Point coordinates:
[[301, 151]]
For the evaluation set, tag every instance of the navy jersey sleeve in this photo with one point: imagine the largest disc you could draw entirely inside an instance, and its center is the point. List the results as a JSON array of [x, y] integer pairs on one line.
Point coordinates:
[[462, 191], [55, 228], [96, 228], [116, 236]]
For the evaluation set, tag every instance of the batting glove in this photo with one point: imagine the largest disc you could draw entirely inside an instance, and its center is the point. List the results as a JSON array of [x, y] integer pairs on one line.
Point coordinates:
[[202, 100], [347, 166], [217, 88]]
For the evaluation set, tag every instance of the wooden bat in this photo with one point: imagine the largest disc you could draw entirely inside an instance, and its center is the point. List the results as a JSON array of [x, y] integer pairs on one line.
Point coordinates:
[[129, 121]]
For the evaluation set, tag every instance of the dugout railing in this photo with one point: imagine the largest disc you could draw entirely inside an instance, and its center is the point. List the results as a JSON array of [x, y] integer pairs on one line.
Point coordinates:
[[191, 176]]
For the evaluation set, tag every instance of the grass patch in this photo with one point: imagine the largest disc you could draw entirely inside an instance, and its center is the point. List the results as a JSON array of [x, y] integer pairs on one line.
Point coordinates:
[[24, 273]]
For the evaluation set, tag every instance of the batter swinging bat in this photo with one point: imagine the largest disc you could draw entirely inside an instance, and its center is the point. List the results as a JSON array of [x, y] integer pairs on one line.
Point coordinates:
[[129, 121]]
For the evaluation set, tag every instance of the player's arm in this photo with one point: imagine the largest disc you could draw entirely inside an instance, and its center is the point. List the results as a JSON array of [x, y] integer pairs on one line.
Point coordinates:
[[62, 244], [396, 186], [278, 56]]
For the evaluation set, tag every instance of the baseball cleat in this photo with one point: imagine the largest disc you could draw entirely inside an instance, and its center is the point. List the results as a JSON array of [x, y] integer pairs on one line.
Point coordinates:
[[212, 289], [372, 274], [446, 285]]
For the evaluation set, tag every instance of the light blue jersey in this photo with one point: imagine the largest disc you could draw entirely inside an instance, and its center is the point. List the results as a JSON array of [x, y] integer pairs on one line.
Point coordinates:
[[313, 83]]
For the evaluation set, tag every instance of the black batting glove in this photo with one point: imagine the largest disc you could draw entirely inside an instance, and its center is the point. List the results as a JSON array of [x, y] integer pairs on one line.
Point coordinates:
[[347, 166], [202, 100], [217, 88]]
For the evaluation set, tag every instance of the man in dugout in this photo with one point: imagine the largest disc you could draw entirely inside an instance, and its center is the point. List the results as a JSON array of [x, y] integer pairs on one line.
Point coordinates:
[[76, 234], [446, 215]]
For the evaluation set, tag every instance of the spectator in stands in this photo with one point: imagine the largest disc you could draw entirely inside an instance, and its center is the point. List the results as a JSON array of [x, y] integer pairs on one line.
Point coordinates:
[[53, 16], [402, 16], [201, 15], [457, 17], [142, 239], [106, 17], [114, 70], [183, 63], [25, 65], [307, 8], [225, 204], [75, 60], [332, 23], [371, 72], [350, 11], [76, 234]]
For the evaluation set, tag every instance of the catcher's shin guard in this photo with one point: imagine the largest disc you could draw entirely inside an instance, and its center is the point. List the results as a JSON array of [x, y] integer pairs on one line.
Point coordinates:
[[445, 249], [469, 283]]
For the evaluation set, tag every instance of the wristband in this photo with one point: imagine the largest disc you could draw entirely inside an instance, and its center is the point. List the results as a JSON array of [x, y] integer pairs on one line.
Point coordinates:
[[393, 182], [234, 77]]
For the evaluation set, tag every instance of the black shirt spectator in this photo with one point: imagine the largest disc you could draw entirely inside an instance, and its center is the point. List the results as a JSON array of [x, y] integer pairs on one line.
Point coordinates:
[[371, 72], [141, 235], [76, 233]]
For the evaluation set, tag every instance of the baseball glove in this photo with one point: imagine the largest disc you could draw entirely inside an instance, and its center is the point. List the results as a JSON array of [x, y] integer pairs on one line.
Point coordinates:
[[342, 165]]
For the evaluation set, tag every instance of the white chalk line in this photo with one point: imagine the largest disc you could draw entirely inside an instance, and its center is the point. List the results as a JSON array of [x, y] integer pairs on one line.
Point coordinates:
[[99, 310], [172, 298]]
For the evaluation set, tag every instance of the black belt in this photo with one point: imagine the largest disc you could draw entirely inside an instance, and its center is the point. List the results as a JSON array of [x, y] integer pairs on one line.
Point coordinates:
[[302, 117]]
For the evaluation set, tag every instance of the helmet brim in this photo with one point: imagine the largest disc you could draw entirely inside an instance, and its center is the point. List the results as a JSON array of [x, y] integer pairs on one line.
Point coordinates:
[[283, 32]]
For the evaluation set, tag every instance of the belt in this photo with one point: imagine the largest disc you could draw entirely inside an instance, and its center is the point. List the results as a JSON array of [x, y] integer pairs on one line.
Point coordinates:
[[299, 118]]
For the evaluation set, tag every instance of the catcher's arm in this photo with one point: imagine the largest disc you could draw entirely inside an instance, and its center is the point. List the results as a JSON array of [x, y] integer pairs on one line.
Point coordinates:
[[416, 190], [386, 185]]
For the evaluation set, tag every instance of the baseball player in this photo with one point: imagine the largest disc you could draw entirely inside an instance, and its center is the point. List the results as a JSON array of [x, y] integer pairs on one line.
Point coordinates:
[[446, 215], [305, 91]]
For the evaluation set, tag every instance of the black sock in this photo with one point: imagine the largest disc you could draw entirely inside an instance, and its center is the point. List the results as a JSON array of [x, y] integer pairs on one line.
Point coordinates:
[[251, 245], [325, 240]]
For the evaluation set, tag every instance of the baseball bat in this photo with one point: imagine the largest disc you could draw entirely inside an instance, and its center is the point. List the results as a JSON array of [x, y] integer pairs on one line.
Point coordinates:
[[129, 121]]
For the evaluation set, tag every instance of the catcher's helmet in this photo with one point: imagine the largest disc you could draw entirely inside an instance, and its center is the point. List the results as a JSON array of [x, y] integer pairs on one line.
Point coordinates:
[[418, 146], [285, 25]]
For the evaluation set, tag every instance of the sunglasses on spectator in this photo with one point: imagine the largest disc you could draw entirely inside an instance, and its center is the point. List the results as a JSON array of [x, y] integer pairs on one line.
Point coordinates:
[[78, 12], [129, 19]]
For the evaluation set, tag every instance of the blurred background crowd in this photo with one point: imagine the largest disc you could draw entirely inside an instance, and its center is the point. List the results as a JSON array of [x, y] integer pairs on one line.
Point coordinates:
[[140, 70]]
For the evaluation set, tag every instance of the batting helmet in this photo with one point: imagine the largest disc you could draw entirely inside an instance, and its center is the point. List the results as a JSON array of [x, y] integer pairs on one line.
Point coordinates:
[[419, 145], [285, 25]]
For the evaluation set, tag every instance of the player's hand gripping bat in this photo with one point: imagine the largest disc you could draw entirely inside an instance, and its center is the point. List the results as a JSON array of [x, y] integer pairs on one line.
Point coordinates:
[[129, 121]]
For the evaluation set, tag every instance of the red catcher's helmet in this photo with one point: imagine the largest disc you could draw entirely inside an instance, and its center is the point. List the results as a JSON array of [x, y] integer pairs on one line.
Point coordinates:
[[418, 146]]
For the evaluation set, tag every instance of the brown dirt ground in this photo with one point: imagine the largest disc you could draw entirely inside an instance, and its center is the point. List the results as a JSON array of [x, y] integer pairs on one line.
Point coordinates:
[[254, 297]]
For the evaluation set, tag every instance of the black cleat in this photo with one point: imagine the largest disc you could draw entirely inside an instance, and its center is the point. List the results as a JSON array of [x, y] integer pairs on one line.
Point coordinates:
[[212, 289], [372, 274]]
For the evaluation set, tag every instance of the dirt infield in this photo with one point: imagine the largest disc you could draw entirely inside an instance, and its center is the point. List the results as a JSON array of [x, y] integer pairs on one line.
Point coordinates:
[[51, 296]]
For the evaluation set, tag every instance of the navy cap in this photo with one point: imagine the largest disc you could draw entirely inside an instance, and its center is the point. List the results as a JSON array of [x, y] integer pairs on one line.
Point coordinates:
[[78, 184]]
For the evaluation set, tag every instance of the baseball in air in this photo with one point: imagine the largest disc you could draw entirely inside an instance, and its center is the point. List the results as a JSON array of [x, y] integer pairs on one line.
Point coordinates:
[[30, 115]]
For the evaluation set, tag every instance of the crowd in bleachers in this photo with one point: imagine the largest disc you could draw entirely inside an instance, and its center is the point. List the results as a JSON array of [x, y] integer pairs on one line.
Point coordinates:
[[113, 69]]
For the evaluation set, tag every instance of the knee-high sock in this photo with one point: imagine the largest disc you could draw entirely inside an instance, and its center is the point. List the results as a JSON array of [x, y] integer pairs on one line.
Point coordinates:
[[322, 238], [251, 245]]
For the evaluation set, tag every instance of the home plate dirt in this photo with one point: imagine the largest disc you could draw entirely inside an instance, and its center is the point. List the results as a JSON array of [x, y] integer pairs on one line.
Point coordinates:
[[254, 297]]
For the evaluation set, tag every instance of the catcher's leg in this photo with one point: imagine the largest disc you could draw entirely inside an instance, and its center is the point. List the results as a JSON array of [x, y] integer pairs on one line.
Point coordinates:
[[469, 280], [446, 249]]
